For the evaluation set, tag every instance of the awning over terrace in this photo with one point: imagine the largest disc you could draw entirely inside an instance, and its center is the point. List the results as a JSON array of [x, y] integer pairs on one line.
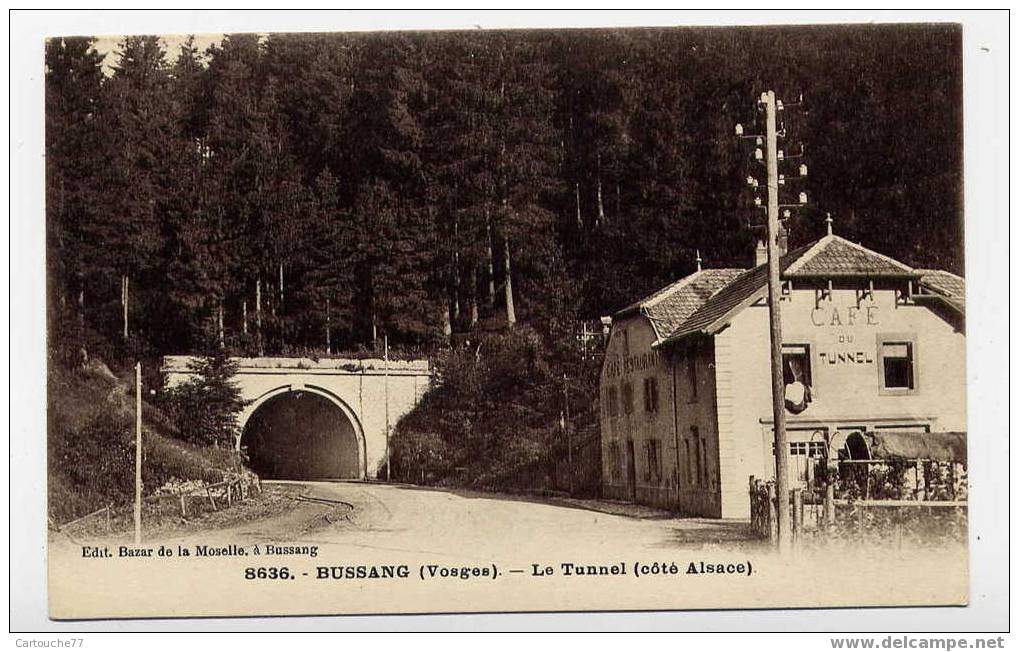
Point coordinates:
[[934, 446]]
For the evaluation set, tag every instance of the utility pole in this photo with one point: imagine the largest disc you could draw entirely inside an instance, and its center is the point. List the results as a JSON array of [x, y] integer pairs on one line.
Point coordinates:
[[771, 156], [775, 317], [386, 385], [138, 453]]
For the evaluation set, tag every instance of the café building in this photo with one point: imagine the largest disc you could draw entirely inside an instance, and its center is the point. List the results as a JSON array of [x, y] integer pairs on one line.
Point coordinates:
[[870, 346]]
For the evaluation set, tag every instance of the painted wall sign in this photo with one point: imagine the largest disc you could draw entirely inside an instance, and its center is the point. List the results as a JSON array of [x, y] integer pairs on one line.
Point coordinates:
[[845, 357], [619, 365], [847, 316]]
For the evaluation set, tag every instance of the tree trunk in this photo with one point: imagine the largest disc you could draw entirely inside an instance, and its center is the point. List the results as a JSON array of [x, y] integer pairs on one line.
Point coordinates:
[[258, 317], [511, 317], [281, 288], [244, 316], [219, 324], [601, 204], [375, 331], [456, 272], [81, 320], [81, 303], [329, 343], [447, 324], [576, 191], [491, 258], [125, 293], [474, 296]]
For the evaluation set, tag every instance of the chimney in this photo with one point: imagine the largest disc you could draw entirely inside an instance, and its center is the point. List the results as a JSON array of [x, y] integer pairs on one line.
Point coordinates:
[[761, 252]]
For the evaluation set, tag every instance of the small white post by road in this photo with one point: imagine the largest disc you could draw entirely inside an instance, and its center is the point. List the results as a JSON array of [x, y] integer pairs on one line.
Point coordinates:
[[138, 453], [385, 349]]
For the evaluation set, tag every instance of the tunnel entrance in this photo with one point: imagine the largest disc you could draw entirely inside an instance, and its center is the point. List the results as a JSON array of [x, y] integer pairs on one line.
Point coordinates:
[[301, 436]]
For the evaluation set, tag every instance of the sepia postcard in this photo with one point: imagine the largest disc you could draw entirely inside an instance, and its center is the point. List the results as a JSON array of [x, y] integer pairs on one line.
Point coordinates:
[[495, 320]]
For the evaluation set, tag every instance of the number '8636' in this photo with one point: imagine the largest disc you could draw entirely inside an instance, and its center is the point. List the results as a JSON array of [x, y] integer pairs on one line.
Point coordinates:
[[270, 573]]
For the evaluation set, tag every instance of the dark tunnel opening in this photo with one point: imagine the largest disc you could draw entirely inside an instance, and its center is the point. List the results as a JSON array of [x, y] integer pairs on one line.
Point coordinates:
[[301, 436]]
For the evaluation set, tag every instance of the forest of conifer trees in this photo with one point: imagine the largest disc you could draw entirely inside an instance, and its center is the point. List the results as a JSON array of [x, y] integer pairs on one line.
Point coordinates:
[[311, 193]]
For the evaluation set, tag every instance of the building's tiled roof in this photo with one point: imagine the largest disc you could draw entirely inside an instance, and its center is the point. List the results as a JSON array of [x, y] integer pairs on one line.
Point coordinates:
[[943, 282], [742, 290], [832, 256], [670, 310], [669, 307], [829, 257], [947, 285]]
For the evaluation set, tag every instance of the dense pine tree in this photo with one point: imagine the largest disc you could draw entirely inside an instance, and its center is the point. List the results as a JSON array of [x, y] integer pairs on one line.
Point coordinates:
[[73, 90], [278, 193]]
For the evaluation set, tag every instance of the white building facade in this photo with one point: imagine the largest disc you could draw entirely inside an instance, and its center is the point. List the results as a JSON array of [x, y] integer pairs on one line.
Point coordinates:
[[869, 345]]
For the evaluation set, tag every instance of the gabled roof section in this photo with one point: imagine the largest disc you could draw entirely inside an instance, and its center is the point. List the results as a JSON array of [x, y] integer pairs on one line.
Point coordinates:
[[741, 292], [834, 257], [944, 285], [830, 257], [669, 307]]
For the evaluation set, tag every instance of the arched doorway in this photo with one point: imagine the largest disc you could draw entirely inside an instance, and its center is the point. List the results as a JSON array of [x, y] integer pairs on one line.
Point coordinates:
[[856, 445], [301, 435]]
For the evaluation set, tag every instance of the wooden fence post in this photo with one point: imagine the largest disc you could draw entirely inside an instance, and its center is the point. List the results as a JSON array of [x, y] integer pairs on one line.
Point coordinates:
[[753, 512], [229, 492], [109, 523], [772, 524], [797, 512], [212, 501], [183, 507], [829, 504]]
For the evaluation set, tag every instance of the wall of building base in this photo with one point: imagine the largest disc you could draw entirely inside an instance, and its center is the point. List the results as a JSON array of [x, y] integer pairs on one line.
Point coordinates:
[[683, 503]]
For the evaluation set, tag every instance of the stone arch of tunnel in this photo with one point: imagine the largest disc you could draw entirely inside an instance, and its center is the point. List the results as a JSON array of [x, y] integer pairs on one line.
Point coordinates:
[[303, 434]]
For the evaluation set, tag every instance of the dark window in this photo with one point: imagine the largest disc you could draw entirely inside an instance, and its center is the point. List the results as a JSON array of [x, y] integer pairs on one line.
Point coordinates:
[[651, 394], [704, 463], [689, 461], [691, 371], [796, 364], [627, 398], [615, 461], [654, 463], [698, 455], [897, 363], [613, 399]]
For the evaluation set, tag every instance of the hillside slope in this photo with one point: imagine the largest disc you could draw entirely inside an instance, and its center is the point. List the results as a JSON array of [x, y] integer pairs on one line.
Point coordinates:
[[91, 444]]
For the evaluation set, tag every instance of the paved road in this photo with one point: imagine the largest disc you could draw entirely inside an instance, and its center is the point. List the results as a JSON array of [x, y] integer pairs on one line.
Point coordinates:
[[463, 525]]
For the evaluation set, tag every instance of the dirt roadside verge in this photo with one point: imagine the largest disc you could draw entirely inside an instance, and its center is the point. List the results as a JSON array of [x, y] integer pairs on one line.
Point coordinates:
[[274, 501]]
